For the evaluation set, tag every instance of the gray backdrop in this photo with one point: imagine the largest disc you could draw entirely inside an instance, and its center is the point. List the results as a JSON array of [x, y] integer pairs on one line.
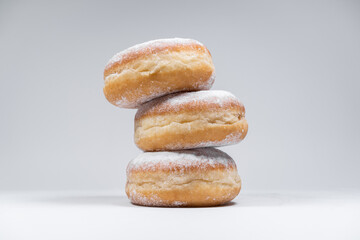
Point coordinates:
[[295, 65]]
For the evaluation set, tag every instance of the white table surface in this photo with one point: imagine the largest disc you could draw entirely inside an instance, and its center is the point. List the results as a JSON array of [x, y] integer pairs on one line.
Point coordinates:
[[109, 215]]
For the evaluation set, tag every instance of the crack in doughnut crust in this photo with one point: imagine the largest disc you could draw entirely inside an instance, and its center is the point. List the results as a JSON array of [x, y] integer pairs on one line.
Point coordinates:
[[190, 120], [156, 68], [196, 177]]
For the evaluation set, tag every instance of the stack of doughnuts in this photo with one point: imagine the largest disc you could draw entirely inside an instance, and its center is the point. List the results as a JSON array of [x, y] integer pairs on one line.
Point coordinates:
[[178, 123]]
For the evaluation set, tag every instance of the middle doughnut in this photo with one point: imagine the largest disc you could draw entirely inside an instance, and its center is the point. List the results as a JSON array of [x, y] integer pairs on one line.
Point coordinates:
[[190, 120]]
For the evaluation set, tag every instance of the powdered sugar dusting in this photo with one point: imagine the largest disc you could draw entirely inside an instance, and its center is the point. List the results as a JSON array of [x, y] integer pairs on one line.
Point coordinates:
[[173, 102], [230, 139], [125, 103], [151, 44], [206, 85], [153, 200], [201, 158]]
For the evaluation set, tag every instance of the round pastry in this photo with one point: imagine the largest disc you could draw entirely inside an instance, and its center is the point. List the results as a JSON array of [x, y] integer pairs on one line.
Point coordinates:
[[156, 68], [190, 120], [196, 177]]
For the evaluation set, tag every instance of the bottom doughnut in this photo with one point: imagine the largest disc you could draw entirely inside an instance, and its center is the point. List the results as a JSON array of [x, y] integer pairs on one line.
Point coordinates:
[[190, 178]]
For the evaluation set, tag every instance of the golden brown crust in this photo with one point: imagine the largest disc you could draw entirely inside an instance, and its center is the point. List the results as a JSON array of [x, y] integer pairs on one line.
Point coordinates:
[[198, 177], [195, 194], [141, 74], [190, 120]]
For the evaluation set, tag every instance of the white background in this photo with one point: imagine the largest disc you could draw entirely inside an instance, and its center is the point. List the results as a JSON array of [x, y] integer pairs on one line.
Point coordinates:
[[264, 215], [295, 66]]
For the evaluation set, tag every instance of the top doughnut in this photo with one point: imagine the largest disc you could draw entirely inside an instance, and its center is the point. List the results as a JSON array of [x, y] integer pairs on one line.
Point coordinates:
[[156, 68]]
